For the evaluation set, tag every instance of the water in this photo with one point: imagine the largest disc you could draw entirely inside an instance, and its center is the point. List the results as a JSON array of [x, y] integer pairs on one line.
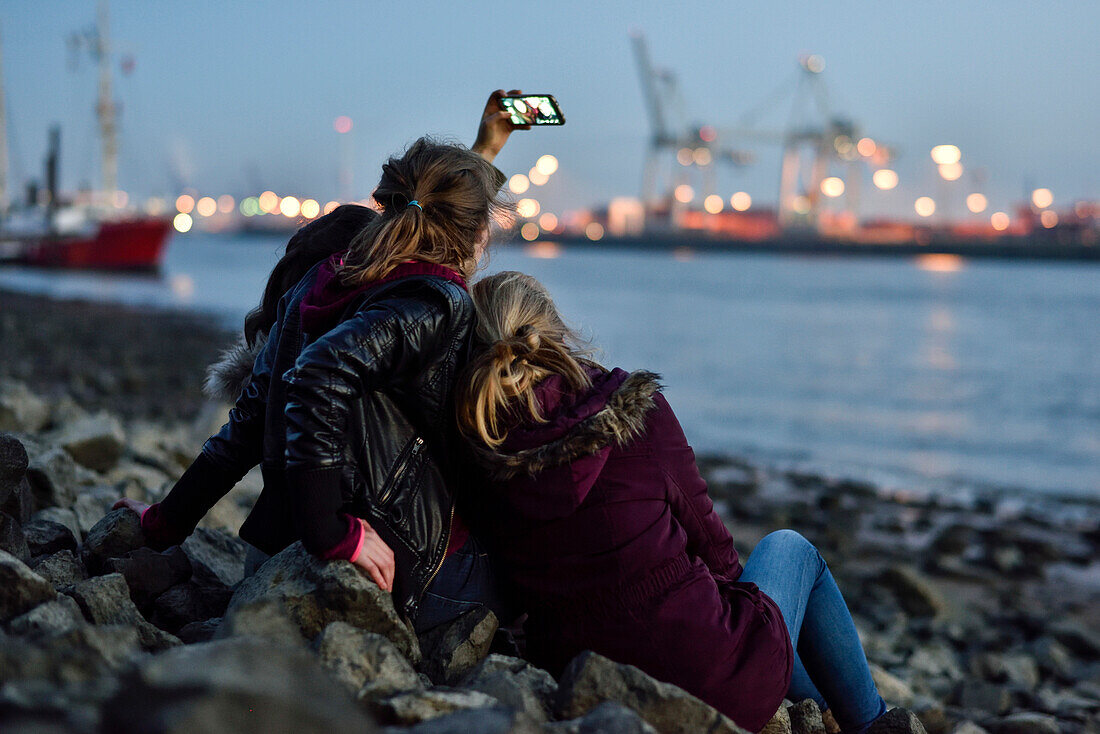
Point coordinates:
[[983, 376]]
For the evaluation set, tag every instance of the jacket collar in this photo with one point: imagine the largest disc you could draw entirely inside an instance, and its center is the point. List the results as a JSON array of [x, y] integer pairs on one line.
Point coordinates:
[[613, 411]]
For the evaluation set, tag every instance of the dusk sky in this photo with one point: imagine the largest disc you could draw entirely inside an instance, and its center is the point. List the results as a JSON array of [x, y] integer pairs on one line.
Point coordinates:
[[238, 97]]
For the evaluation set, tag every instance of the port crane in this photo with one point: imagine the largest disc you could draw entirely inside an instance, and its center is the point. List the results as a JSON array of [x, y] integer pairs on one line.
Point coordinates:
[[814, 140]]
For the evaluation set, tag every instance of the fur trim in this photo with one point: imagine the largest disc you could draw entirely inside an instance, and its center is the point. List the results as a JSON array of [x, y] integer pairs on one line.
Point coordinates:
[[620, 421], [228, 376]]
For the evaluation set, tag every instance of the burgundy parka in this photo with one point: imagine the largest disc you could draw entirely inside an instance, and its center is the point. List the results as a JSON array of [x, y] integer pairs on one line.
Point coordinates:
[[602, 523]]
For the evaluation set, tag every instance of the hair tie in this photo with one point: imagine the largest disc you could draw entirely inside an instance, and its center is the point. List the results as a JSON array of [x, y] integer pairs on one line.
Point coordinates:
[[415, 203]]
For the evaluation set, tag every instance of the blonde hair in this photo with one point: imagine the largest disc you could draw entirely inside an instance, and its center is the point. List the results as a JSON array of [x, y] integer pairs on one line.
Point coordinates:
[[521, 339], [456, 193]]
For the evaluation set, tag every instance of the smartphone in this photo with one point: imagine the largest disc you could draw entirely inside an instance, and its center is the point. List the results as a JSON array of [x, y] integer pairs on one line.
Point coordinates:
[[533, 109]]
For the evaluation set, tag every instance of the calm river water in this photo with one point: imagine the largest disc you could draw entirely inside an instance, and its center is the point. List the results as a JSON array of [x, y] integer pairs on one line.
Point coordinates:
[[912, 374]]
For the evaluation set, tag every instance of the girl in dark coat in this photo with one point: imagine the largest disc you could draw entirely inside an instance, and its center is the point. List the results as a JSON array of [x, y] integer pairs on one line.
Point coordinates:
[[347, 400], [603, 525]]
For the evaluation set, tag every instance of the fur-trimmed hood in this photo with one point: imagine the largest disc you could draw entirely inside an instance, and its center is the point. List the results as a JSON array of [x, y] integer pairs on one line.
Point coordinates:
[[227, 376], [612, 412]]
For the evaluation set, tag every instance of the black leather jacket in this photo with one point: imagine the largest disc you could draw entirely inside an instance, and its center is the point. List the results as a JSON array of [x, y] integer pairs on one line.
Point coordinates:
[[367, 406]]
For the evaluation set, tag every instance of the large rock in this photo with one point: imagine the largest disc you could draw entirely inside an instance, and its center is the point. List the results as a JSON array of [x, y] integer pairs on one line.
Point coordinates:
[[85, 653], [64, 516], [61, 569], [263, 618], [406, 709], [915, 593], [806, 718], [21, 589], [216, 555], [496, 720], [780, 723], [897, 721], [892, 689], [979, 695], [105, 600], [149, 573], [192, 601], [1018, 669], [92, 504], [607, 718], [203, 631], [20, 409], [115, 535], [13, 465], [12, 538], [452, 650], [232, 686], [1023, 723], [56, 480], [515, 683], [367, 663], [46, 537], [95, 441], [52, 618], [591, 679], [316, 593]]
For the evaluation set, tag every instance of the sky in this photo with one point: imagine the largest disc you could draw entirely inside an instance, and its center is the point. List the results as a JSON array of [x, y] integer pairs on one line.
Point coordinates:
[[238, 97]]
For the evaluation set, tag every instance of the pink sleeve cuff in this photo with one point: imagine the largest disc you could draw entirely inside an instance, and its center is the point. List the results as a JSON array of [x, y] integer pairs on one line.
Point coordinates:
[[348, 548]]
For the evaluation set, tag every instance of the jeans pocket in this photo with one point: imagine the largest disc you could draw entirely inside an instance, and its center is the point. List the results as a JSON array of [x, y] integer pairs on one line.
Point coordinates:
[[436, 610]]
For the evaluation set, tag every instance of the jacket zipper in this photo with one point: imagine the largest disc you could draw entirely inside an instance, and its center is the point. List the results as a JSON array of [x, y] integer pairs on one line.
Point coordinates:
[[413, 451], [424, 588]]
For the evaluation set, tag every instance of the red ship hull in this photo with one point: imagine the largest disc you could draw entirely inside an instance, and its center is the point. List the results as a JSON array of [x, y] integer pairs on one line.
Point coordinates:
[[135, 244]]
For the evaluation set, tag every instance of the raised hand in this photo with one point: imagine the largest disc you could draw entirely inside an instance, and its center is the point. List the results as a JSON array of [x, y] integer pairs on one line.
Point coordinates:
[[496, 125]]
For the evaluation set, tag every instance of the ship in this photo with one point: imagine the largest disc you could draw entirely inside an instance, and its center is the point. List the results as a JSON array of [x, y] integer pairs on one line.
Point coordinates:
[[92, 230]]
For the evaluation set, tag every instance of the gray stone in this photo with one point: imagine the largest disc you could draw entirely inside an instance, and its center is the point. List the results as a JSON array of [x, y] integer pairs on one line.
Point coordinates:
[[979, 695], [199, 631], [496, 720], [21, 589], [515, 683], [779, 724], [216, 555], [64, 516], [13, 465], [115, 535], [591, 679], [105, 600], [367, 663], [95, 441], [61, 569], [608, 718], [1023, 723], [52, 618], [92, 504], [452, 650], [264, 618], [1080, 640], [12, 538], [936, 660], [806, 718], [85, 653], [413, 707], [897, 721], [1018, 669], [20, 409], [915, 592], [1053, 658], [149, 573], [46, 537], [316, 593], [968, 727], [231, 686], [892, 689], [192, 601], [56, 479]]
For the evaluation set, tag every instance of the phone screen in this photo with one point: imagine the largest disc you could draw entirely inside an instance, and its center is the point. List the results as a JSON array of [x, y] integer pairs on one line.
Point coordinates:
[[533, 109]]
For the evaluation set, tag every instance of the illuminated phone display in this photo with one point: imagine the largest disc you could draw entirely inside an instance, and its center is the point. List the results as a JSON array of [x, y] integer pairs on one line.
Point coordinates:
[[533, 109]]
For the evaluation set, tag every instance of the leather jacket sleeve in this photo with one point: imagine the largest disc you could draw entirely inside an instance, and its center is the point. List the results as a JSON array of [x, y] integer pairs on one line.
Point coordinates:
[[378, 346]]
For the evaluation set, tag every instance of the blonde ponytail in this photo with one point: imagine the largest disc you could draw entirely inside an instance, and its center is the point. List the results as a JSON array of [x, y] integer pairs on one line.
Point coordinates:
[[521, 341]]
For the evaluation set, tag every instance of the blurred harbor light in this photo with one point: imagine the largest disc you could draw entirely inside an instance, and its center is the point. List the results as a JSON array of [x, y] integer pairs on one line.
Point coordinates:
[[1042, 198], [925, 206]]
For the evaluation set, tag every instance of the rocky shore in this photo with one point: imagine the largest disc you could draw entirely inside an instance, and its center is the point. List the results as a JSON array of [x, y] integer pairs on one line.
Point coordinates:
[[977, 614]]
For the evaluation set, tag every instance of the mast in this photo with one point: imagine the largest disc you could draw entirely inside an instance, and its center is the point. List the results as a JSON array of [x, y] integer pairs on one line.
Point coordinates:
[[105, 106]]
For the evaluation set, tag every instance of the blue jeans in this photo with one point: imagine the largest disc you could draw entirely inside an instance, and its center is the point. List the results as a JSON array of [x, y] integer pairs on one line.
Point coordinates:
[[465, 580], [829, 664]]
